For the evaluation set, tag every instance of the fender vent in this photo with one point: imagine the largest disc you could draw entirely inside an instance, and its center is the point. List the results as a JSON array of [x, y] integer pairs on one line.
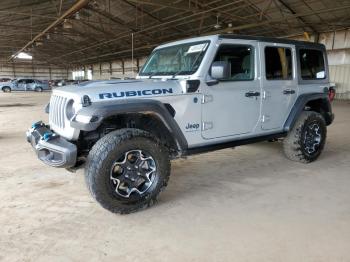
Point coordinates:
[[192, 85]]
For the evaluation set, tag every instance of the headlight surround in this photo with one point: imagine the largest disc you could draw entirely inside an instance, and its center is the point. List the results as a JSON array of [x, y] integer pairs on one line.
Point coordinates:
[[70, 109]]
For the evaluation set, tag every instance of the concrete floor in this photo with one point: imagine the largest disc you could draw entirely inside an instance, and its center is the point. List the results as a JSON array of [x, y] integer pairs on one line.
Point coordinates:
[[246, 204]]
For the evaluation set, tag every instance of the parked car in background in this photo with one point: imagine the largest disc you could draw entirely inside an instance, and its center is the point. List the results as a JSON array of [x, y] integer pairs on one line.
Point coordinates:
[[57, 83], [24, 85], [71, 82]]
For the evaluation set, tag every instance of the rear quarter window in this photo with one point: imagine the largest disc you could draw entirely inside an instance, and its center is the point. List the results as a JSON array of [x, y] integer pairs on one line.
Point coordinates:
[[312, 65]]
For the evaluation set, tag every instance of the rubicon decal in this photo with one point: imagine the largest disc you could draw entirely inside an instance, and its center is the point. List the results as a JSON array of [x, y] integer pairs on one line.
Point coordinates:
[[146, 92]]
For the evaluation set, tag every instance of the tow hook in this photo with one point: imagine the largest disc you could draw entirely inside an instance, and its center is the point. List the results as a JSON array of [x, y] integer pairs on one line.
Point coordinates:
[[48, 136]]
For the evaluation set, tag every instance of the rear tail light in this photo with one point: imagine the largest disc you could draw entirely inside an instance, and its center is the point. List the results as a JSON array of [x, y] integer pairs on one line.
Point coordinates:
[[331, 93]]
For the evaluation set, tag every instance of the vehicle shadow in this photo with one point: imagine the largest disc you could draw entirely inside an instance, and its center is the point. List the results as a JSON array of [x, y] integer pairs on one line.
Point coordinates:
[[17, 105]]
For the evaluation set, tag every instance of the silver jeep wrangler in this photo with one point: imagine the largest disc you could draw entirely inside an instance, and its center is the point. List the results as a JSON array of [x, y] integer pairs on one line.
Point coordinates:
[[191, 96]]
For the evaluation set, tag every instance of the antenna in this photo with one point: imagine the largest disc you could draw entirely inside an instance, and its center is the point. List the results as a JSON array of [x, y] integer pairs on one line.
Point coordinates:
[[132, 54]]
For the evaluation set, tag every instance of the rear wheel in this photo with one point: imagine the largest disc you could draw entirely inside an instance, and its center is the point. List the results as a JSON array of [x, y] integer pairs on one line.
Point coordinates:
[[305, 142], [38, 89], [6, 89], [126, 170]]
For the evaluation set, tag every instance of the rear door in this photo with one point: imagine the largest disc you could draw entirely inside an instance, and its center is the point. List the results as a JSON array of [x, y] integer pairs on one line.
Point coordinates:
[[279, 83], [30, 84]]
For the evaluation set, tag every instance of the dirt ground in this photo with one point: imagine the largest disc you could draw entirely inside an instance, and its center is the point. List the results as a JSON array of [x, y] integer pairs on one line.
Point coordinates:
[[243, 204]]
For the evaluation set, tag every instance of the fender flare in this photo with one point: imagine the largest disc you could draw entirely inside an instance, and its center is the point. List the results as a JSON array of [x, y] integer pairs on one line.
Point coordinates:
[[102, 110], [300, 104]]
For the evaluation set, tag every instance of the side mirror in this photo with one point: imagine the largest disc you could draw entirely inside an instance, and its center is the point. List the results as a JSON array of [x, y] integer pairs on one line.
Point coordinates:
[[221, 70]]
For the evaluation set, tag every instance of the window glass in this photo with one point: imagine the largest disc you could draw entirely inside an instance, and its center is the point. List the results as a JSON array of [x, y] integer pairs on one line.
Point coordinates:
[[278, 63], [21, 81], [29, 81], [183, 59], [311, 64], [241, 59]]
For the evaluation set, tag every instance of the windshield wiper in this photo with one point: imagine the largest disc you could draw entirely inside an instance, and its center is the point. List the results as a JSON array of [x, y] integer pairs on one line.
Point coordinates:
[[151, 74]]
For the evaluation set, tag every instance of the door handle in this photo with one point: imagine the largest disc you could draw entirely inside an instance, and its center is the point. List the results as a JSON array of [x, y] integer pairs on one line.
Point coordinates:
[[252, 93], [288, 92]]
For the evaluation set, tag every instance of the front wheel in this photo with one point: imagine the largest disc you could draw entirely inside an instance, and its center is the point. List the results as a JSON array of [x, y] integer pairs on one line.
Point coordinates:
[[305, 142], [6, 89], [126, 170], [38, 89]]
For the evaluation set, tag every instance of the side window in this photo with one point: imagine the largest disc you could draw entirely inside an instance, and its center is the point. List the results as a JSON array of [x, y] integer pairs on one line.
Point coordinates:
[[278, 63], [312, 64], [21, 81], [30, 81], [241, 58]]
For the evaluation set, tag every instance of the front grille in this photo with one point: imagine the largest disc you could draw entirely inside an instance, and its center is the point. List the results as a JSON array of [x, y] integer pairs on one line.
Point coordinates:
[[57, 110]]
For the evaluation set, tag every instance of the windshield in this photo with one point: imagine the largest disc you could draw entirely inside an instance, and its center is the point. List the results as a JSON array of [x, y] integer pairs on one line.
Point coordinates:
[[181, 59]]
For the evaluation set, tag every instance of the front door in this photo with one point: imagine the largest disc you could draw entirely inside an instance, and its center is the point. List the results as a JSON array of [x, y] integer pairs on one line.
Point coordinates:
[[279, 84], [232, 106], [20, 85]]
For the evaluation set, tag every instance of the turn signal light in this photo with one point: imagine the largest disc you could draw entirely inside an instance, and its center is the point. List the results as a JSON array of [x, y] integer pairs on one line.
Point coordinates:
[[331, 93]]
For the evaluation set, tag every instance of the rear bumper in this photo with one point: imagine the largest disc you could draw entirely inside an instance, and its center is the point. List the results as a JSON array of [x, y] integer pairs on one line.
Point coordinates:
[[50, 148]]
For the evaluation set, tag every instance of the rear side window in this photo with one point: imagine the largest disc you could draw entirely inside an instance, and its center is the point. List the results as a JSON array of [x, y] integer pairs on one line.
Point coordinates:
[[278, 63], [312, 64], [241, 58]]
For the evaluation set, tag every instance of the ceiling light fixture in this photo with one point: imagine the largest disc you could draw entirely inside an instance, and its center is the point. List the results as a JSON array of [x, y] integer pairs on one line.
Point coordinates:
[[23, 55], [67, 24], [77, 16], [217, 26]]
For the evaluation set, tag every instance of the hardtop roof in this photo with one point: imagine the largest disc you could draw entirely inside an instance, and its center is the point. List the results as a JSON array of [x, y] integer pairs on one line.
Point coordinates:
[[272, 40]]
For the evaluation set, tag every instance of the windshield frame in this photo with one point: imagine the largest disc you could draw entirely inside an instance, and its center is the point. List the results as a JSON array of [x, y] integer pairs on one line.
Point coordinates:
[[142, 74]]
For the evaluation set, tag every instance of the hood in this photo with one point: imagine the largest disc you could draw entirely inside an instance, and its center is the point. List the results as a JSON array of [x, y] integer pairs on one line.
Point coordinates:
[[7, 83], [100, 91]]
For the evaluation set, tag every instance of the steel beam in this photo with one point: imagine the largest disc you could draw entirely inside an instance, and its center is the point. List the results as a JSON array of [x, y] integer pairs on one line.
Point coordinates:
[[75, 8]]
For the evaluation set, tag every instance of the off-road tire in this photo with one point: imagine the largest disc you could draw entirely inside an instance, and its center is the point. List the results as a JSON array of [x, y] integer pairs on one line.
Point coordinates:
[[102, 157], [6, 89], [294, 145]]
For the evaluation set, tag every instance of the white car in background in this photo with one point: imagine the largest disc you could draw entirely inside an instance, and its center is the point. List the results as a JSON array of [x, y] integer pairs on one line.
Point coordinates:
[[24, 85]]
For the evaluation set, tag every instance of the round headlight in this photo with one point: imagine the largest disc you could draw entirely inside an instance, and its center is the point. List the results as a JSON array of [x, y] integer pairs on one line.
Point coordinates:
[[70, 109]]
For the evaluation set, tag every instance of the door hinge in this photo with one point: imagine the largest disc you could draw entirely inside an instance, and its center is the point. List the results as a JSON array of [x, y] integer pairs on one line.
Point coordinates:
[[207, 125], [207, 99], [265, 118], [266, 94]]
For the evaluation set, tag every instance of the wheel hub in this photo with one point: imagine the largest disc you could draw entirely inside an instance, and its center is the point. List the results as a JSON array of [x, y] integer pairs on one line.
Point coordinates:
[[312, 138], [134, 172]]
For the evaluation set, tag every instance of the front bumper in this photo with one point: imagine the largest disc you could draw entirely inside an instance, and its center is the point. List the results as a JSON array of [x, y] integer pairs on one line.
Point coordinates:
[[50, 148]]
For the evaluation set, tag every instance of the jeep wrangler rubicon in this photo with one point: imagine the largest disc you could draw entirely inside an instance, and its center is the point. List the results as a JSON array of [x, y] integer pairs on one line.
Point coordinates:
[[191, 96]]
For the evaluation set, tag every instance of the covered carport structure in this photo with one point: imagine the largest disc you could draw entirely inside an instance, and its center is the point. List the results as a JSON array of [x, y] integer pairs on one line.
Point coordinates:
[[243, 204]]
